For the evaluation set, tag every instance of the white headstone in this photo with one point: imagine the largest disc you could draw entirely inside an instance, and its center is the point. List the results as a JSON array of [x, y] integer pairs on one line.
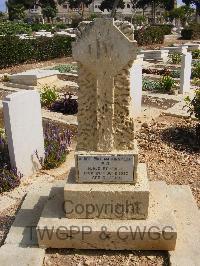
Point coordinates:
[[186, 69], [136, 88], [23, 124]]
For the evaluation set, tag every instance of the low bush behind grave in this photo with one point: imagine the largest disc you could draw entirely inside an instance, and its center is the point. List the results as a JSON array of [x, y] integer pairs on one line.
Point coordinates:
[[14, 51]]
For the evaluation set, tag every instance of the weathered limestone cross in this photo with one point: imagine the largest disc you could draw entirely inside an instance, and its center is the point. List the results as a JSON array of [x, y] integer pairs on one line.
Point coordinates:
[[104, 50]]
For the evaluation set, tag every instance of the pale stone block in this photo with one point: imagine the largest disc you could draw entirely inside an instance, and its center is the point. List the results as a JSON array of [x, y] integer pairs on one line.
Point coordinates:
[[136, 89], [186, 69], [23, 124], [157, 232], [113, 201], [187, 217], [111, 167], [11, 255], [31, 77]]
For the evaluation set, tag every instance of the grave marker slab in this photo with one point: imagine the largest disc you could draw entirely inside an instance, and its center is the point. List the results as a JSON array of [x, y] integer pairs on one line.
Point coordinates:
[[23, 124], [105, 122], [186, 69]]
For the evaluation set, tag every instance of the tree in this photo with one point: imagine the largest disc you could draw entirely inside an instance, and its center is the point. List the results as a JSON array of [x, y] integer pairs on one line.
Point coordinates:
[[183, 13], [80, 5], [49, 12], [196, 3], [109, 4], [15, 10]]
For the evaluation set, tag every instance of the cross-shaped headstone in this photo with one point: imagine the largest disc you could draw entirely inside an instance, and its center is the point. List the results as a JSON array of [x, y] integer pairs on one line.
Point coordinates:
[[104, 50]]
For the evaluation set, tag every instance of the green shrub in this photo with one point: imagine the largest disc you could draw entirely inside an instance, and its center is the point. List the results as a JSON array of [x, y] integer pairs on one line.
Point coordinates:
[[175, 73], [149, 35], [48, 96], [191, 32], [13, 28], [167, 84], [166, 29], [194, 104], [196, 54], [14, 51], [39, 26], [175, 58], [65, 68], [150, 85], [196, 70]]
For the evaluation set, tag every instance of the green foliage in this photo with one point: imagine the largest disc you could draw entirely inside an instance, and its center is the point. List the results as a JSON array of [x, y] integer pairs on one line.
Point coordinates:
[[196, 54], [175, 58], [149, 35], [108, 5], [16, 11], [13, 28], [175, 73], [40, 26], [5, 78], [184, 13], [48, 96], [196, 82], [49, 12], [14, 51], [165, 28], [138, 20], [65, 68], [194, 104], [150, 85], [191, 32], [167, 84], [196, 70]]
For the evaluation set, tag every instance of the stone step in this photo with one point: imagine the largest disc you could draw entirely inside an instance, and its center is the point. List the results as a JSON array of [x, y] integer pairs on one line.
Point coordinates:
[[107, 201], [187, 217], [157, 232], [11, 255]]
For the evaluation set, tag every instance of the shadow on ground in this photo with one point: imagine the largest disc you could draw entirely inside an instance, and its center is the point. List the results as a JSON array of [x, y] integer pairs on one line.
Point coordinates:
[[183, 138]]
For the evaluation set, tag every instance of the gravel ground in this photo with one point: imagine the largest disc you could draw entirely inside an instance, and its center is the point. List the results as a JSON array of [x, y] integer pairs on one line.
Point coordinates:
[[104, 258], [170, 148], [6, 219]]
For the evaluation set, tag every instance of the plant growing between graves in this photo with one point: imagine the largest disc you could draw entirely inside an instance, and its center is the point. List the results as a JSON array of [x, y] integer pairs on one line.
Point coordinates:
[[175, 58], [67, 105], [65, 68], [196, 70], [48, 96], [193, 106], [57, 142], [164, 85], [196, 54], [9, 177]]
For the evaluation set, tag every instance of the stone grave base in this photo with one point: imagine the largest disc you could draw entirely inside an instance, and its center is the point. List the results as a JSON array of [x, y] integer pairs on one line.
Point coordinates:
[[157, 232], [107, 201]]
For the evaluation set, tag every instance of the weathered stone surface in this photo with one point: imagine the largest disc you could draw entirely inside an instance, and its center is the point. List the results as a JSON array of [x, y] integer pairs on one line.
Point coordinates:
[[56, 231], [11, 255], [23, 124], [176, 49], [105, 56], [187, 217], [123, 201], [113, 167]]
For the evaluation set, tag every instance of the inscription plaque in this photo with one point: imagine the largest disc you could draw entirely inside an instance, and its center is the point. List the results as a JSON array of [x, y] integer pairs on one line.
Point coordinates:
[[109, 168]]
